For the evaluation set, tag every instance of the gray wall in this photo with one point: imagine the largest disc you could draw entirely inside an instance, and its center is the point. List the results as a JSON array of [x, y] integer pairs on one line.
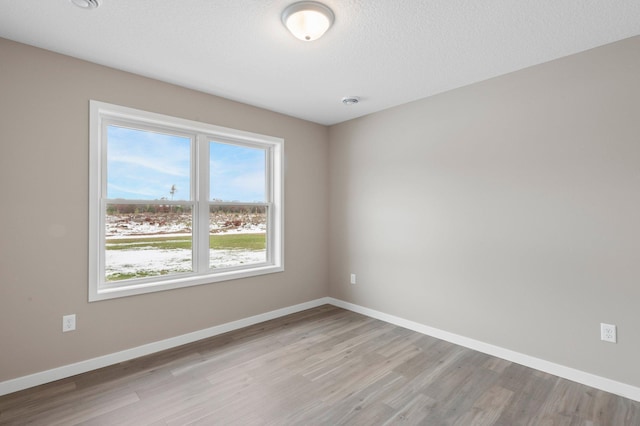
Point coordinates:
[[44, 107], [506, 211]]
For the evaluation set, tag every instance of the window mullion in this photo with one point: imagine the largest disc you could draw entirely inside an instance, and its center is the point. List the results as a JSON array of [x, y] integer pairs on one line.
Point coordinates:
[[201, 230]]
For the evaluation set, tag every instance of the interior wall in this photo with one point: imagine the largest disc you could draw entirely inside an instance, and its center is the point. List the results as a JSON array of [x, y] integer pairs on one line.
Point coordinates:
[[505, 211], [44, 119]]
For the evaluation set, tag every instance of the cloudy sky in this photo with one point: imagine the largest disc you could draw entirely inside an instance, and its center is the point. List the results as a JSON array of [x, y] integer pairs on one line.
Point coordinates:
[[144, 165]]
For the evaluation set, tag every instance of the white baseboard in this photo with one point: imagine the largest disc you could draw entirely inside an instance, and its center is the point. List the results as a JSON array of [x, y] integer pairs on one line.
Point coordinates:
[[47, 376], [568, 373]]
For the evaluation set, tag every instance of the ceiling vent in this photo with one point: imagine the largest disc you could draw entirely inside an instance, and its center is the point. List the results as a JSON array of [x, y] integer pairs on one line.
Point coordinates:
[[86, 4], [350, 100]]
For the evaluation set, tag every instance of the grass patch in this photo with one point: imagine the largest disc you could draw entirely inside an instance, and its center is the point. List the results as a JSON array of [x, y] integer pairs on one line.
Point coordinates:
[[238, 241], [119, 276], [216, 242], [158, 243]]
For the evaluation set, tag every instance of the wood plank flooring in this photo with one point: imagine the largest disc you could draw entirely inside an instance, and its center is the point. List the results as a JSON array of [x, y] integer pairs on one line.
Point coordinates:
[[323, 366]]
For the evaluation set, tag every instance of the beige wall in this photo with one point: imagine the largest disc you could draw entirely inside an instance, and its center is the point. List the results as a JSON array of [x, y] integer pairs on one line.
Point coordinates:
[[507, 211], [504, 211], [44, 106]]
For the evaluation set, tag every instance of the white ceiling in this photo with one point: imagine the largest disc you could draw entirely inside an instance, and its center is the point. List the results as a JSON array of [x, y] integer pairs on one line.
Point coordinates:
[[387, 52]]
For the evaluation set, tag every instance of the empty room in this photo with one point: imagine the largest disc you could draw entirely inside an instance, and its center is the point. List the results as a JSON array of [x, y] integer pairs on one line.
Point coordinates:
[[341, 212]]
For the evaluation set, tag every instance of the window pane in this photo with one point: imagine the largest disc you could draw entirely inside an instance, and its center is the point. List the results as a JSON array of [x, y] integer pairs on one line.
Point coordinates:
[[144, 165], [237, 173], [147, 240], [238, 235]]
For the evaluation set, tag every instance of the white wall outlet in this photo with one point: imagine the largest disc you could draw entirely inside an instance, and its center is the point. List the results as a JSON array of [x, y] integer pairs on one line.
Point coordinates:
[[608, 332], [353, 278], [68, 323]]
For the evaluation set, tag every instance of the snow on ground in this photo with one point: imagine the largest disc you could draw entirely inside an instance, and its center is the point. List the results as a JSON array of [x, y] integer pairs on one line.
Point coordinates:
[[154, 262], [132, 226], [146, 261]]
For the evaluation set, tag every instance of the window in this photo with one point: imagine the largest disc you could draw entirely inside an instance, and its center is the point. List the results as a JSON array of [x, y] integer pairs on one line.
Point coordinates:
[[175, 203]]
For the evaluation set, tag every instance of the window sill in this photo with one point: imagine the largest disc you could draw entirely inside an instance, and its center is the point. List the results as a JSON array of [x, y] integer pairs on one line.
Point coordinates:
[[151, 287]]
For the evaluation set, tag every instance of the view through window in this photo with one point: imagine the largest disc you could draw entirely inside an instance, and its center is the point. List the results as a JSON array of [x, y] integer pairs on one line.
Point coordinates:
[[179, 203]]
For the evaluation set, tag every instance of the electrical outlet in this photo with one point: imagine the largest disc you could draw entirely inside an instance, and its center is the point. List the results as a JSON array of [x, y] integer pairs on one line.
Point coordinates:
[[68, 323], [608, 332], [353, 278]]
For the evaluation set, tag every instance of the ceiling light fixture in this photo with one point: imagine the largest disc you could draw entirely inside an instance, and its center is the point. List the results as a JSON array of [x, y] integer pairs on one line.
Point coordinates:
[[307, 20], [86, 4], [350, 100]]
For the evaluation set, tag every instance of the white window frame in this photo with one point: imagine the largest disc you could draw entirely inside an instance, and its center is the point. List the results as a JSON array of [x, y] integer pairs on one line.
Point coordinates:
[[102, 114]]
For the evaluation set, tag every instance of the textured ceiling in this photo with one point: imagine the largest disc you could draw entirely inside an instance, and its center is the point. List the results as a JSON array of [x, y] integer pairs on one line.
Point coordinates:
[[387, 52]]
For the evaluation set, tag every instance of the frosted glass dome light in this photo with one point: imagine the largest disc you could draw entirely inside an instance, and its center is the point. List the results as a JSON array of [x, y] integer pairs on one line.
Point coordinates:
[[307, 20]]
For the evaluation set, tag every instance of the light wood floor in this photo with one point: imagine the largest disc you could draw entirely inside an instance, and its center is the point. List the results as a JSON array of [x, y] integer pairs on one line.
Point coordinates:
[[324, 366]]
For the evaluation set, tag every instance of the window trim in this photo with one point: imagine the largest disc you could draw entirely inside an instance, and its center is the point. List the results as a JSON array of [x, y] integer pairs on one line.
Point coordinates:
[[101, 112]]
